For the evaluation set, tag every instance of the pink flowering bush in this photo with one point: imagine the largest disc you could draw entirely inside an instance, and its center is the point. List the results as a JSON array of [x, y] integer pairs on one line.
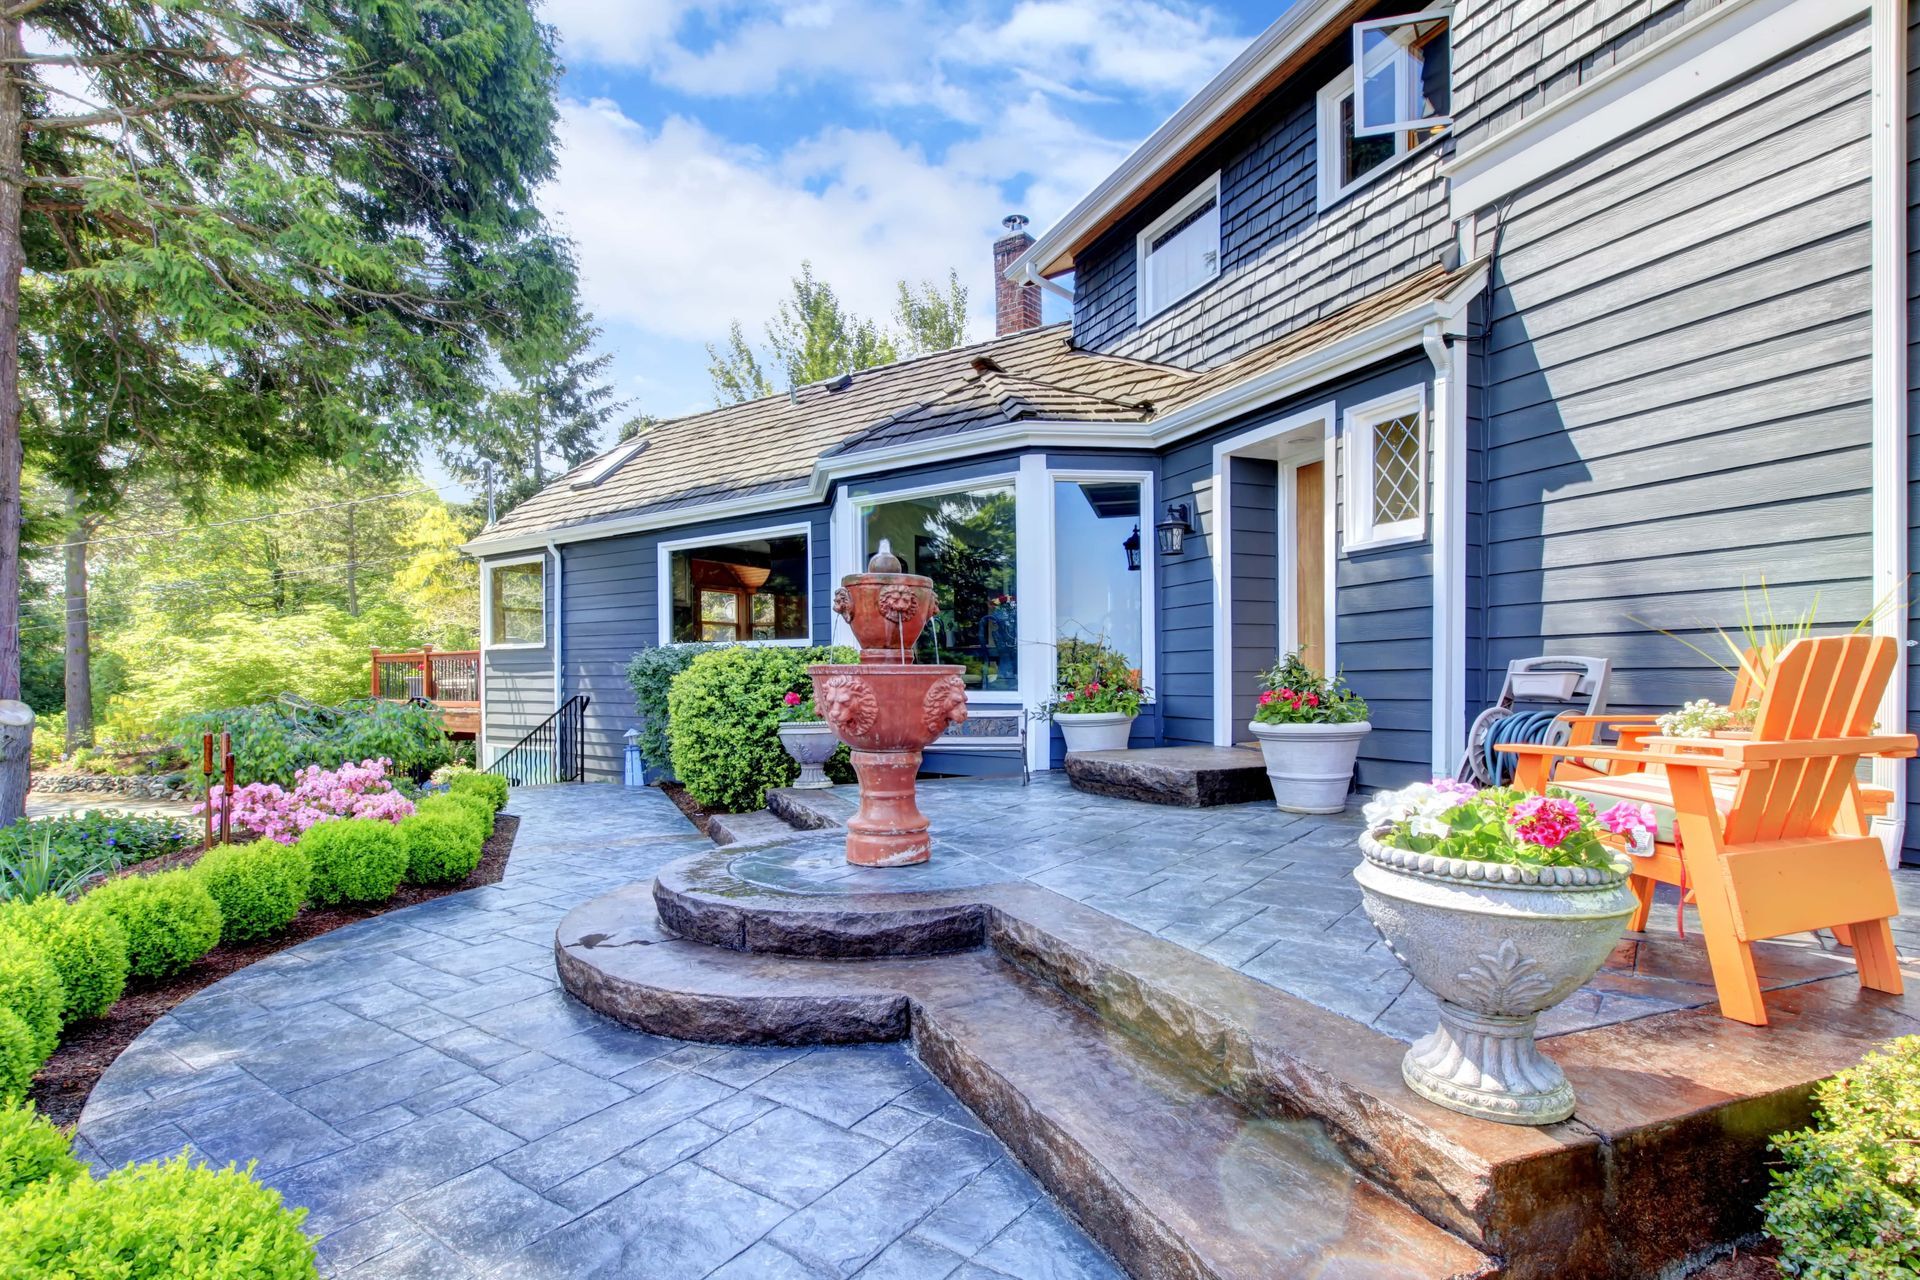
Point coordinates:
[[1501, 824], [269, 811]]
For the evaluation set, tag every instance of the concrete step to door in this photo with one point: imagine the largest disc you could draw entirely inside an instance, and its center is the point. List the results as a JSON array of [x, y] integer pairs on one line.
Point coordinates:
[[1173, 1177], [761, 826], [1188, 777]]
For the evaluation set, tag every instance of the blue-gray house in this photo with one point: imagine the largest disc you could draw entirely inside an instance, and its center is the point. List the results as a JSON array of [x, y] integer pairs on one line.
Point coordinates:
[[1449, 335]]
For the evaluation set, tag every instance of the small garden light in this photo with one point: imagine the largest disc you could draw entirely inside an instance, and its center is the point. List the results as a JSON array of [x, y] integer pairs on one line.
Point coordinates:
[[1174, 529]]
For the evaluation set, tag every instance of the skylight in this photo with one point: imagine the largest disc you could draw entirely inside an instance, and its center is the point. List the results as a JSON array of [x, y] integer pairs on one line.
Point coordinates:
[[612, 462]]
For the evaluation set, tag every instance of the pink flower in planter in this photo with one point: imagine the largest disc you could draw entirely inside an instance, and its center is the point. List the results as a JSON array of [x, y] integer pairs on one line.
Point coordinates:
[[1313, 699], [1629, 819], [1544, 820], [1456, 791], [1266, 699], [794, 699], [1069, 697]]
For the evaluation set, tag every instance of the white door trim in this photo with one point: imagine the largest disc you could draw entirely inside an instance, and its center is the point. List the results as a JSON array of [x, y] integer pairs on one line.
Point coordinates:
[[1890, 517]]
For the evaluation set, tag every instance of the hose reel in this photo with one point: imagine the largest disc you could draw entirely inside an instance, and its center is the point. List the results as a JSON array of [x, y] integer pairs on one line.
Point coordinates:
[[1533, 697]]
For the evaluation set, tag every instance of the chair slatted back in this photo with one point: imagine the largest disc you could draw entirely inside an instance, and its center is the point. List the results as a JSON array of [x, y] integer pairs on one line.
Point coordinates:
[[1747, 687], [1824, 688]]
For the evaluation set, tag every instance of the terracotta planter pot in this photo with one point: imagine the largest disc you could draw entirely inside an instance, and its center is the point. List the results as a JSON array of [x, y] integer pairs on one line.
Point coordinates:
[[1310, 765], [1499, 945], [811, 743], [1095, 730]]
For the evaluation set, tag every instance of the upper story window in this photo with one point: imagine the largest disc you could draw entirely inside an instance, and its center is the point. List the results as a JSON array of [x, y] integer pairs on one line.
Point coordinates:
[[517, 604], [1405, 74], [1386, 496], [1180, 251]]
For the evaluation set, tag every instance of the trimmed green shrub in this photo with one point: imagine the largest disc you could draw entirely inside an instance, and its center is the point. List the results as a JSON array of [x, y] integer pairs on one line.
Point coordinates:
[[156, 1222], [18, 1061], [1845, 1204], [725, 709], [30, 986], [441, 847], [274, 740], [490, 787], [259, 887], [354, 860], [86, 946], [651, 673], [464, 809], [171, 920], [32, 1151]]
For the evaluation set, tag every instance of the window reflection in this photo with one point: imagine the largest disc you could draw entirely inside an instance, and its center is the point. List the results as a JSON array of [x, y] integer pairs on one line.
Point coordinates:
[[964, 541], [1096, 589], [754, 589]]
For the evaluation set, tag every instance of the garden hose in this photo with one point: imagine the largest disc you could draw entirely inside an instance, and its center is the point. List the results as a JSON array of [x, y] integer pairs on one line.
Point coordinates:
[[1537, 728]]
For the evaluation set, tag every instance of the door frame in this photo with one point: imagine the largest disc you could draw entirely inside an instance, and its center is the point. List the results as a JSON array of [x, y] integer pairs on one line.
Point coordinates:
[[1308, 436]]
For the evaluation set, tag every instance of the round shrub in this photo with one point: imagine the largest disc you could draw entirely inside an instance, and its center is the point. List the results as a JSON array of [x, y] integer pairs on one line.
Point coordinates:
[[171, 920], [32, 1151], [490, 787], [30, 986], [725, 714], [86, 946], [466, 810], [354, 860], [260, 887], [441, 848], [18, 1061], [155, 1222]]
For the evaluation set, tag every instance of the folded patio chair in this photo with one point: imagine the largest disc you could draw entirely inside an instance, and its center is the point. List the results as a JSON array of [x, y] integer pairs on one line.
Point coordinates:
[[1769, 832]]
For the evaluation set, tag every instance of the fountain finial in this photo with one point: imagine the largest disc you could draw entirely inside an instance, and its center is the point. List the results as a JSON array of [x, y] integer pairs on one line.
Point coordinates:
[[884, 561]]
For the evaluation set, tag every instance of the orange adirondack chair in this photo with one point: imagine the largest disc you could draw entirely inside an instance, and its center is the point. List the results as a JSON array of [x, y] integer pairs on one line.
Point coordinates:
[[1780, 845]]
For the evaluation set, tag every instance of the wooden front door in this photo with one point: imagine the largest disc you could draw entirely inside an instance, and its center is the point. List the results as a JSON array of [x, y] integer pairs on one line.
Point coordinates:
[[1310, 561]]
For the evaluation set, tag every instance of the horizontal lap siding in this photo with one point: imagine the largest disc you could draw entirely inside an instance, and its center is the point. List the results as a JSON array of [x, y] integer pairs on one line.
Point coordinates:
[[1256, 574], [1674, 384]]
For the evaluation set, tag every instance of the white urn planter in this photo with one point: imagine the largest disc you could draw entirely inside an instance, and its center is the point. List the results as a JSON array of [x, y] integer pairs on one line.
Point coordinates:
[[1310, 765], [1095, 730], [811, 743], [1499, 945]]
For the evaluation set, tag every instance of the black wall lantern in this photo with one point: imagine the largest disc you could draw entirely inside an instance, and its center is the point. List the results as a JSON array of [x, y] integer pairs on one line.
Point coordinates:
[[1132, 545], [1174, 529]]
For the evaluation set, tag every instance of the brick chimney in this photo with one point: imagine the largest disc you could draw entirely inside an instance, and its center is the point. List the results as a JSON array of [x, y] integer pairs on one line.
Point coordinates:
[[1015, 306]]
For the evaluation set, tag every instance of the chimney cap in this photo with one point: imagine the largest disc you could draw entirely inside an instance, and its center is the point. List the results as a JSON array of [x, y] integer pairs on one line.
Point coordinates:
[[1015, 223]]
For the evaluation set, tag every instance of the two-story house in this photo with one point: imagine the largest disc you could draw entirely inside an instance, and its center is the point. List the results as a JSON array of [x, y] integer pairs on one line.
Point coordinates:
[[1434, 338]]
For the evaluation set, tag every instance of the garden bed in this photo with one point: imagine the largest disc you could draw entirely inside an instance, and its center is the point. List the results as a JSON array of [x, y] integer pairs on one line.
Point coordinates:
[[699, 815], [87, 1049]]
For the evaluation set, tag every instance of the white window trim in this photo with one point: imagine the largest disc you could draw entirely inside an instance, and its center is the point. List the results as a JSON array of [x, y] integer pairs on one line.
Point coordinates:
[[1149, 567], [1362, 533], [1145, 308], [1327, 137], [486, 603], [664, 575], [1401, 91]]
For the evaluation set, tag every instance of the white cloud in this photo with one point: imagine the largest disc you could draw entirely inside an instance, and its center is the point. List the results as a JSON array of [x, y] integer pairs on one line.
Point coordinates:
[[616, 32], [1137, 45]]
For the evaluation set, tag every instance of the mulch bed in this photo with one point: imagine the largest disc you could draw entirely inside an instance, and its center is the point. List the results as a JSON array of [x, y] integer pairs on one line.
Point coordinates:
[[697, 813], [1756, 1263], [89, 1048]]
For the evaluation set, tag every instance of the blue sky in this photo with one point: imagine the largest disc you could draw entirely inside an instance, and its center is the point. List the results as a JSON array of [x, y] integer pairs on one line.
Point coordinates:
[[708, 147]]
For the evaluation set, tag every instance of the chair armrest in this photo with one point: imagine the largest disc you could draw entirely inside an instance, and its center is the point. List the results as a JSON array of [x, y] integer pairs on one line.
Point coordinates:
[[1637, 757], [1567, 717], [1893, 746]]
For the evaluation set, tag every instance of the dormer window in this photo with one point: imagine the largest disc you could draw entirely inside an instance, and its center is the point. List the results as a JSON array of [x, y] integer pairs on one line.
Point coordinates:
[[1405, 66], [1180, 251]]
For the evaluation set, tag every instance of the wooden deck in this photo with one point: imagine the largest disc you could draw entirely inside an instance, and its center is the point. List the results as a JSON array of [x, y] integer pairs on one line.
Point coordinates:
[[448, 678]]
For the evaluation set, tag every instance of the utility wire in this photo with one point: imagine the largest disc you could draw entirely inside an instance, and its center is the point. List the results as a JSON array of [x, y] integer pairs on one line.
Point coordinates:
[[222, 524]]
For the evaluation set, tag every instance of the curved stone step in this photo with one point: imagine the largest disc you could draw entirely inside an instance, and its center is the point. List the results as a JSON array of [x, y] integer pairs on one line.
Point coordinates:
[[1173, 1177]]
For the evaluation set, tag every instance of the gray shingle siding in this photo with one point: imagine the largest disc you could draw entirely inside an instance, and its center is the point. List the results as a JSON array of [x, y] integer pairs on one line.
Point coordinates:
[[1676, 389]]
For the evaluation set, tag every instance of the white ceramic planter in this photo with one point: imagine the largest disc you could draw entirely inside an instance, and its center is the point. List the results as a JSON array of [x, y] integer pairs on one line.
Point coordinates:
[[811, 743], [1499, 945], [1094, 730], [1310, 765]]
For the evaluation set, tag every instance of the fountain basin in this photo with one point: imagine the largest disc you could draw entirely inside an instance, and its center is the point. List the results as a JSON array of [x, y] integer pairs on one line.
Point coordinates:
[[888, 712]]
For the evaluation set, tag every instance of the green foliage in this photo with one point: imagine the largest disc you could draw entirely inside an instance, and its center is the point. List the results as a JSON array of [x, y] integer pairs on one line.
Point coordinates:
[[354, 860], [18, 1061], [86, 947], [1495, 824], [490, 787], [1845, 1205], [725, 712], [1093, 677], [442, 848], [32, 1151], [651, 672], [1298, 694], [274, 740], [931, 317], [30, 986], [160, 1221], [259, 887], [171, 920], [58, 855], [470, 812]]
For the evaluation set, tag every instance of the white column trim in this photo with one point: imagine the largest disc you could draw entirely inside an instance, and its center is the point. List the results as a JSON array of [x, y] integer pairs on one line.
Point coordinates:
[[1449, 449], [1890, 523], [1033, 576]]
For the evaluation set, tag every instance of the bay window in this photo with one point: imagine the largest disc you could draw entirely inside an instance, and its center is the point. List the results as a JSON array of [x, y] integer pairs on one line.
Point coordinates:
[[964, 541], [1098, 580]]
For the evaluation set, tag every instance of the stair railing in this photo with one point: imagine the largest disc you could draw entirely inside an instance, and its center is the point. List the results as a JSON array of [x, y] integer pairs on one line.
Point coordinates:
[[555, 750]]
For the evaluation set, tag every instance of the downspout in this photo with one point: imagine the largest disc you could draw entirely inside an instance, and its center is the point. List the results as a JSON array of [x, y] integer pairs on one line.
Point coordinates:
[[1890, 526], [559, 627], [1449, 450]]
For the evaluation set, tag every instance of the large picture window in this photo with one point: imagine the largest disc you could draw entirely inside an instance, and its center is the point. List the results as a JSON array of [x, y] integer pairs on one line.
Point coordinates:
[[743, 589], [517, 604], [964, 541], [1096, 566]]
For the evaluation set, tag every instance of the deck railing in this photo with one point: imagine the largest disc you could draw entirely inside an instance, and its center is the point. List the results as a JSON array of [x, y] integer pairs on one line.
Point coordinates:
[[554, 751], [448, 678]]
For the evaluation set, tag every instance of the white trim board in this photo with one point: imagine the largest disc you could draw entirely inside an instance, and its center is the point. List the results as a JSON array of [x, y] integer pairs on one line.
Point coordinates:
[[1714, 49], [487, 641], [1890, 517]]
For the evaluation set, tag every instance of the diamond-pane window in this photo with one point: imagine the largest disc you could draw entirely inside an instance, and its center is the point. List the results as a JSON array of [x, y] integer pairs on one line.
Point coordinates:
[[1396, 469]]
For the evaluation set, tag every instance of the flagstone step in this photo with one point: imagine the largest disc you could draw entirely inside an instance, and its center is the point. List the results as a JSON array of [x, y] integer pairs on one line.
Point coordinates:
[[1175, 1178], [811, 808], [760, 826], [1189, 777]]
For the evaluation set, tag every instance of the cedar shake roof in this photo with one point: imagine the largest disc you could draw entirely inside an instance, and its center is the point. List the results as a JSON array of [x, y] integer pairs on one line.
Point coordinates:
[[772, 445]]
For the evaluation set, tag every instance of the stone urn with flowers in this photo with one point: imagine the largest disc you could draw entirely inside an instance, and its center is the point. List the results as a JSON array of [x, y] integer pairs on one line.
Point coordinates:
[[1309, 727], [1096, 696], [807, 738], [1501, 904]]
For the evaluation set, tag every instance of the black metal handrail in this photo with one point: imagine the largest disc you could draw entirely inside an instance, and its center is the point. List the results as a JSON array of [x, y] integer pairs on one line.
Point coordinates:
[[555, 750]]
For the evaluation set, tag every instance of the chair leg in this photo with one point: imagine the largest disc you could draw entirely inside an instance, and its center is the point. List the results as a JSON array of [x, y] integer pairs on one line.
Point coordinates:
[[1873, 951], [1843, 934], [1643, 889]]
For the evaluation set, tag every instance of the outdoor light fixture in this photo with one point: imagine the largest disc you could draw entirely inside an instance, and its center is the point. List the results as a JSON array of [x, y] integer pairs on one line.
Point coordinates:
[[1132, 545], [1174, 529]]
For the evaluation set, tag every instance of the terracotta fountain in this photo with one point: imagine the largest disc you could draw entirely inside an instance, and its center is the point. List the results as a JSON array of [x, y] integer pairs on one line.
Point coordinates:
[[888, 707]]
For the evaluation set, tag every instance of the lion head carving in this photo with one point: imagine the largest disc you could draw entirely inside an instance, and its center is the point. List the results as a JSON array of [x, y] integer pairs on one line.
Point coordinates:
[[945, 705]]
